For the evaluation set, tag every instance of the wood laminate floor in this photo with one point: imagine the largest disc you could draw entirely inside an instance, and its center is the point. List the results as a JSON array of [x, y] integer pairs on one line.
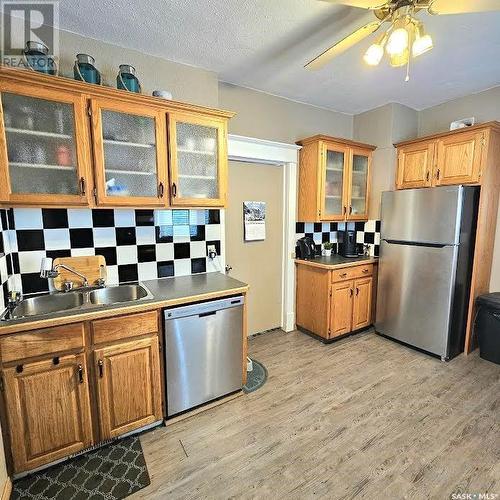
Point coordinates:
[[362, 418]]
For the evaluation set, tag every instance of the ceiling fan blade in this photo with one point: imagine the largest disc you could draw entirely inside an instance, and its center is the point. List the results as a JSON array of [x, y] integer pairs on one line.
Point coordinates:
[[362, 4], [463, 6], [344, 44]]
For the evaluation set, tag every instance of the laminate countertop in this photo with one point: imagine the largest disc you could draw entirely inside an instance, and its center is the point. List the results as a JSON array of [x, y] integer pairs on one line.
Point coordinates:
[[337, 261], [164, 292]]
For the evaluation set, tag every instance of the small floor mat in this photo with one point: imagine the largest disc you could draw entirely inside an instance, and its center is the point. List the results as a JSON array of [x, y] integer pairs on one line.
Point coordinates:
[[256, 378], [109, 473]]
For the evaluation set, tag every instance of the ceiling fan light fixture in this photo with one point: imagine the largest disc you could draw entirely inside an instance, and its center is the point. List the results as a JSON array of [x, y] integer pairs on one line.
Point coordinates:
[[398, 42], [374, 54], [422, 44], [398, 60]]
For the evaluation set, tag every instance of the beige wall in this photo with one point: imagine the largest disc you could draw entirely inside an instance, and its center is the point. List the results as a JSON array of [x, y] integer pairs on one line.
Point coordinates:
[[484, 106], [383, 127], [186, 83], [258, 263], [268, 117]]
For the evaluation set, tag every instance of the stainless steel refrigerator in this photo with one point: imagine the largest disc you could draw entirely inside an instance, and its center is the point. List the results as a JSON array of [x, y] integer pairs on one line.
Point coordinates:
[[425, 266]]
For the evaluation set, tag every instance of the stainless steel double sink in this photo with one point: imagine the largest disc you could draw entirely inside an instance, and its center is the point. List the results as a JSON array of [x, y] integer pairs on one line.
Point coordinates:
[[78, 300]]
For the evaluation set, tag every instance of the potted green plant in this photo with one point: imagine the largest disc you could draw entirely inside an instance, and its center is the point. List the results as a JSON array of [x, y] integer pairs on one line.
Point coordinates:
[[327, 249]]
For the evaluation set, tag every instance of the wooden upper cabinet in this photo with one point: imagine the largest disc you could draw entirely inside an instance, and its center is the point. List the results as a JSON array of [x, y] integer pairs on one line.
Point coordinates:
[[129, 153], [415, 165], [198, 160], [48, 157], [128, 386], [334, 171], [48, 410], [459, 158], [44, 147], [358, 184], [334, 179], [451, 158]]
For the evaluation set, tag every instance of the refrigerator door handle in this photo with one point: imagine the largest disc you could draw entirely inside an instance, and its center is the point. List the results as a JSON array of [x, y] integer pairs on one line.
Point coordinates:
[[416, 244]]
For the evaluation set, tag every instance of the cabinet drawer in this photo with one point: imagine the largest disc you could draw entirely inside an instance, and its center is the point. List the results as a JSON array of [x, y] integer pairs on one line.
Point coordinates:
[[349, 273], [42, 342], [124, 327]]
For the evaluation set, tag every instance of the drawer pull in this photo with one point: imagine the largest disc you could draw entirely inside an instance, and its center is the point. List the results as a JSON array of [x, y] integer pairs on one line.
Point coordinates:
[[365, 271], [343, 275], [55, 360], [80, 374], [19, 368], [100, 365]]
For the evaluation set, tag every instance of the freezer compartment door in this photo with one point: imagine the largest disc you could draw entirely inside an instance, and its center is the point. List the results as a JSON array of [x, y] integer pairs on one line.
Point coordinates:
[[422, 215], [203, 357], [415, 288]]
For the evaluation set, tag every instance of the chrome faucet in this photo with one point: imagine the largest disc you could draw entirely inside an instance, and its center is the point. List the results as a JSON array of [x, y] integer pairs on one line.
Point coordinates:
[[47, 271]]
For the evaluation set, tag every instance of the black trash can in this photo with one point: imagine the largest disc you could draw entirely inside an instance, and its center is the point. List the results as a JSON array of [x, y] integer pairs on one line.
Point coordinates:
[[487, 326]]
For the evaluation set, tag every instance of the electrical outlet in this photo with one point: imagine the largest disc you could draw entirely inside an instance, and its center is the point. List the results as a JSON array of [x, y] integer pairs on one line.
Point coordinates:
[[211, 251]]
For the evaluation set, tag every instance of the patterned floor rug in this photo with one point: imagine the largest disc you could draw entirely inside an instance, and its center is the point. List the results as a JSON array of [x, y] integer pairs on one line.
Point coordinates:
[[256, 378], [109, 473]]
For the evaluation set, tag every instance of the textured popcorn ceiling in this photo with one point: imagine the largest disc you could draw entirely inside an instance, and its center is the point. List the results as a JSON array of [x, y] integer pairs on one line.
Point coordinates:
[[263, 44]]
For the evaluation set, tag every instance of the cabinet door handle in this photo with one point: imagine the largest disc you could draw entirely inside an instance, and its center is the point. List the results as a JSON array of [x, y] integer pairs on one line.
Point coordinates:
[[100, 365], [438, 173], [352, 292], [80, 374], [174, 189], [345, 209], [82, 186], [161, 190], [350, 209], [357, 291], [427, 176]]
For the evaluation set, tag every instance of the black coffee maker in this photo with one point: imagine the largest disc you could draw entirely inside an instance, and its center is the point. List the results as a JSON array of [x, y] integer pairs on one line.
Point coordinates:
[[347, 243]]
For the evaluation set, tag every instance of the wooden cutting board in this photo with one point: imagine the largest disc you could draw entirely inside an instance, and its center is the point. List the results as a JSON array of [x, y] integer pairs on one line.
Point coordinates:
[[89, 266]]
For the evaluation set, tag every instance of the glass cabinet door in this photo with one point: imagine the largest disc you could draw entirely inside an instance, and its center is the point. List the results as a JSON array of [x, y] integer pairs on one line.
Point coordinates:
[[130, 158], [358, 189], [44, 161], [197, 161], [334, 160]]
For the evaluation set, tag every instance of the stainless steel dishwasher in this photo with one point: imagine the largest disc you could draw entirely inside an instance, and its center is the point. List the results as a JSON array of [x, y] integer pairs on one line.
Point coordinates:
[[203, 352]]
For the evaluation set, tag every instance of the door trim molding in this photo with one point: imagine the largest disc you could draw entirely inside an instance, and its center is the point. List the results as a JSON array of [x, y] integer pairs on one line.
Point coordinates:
[[253, 150]]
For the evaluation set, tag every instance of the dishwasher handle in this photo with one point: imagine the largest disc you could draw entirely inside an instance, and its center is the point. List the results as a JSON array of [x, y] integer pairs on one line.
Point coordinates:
[[211, 313], [203, 308]]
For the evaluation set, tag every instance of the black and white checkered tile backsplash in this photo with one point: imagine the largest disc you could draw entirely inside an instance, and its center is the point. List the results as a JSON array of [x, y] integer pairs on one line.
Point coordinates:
[[137, 244], [322, 232]]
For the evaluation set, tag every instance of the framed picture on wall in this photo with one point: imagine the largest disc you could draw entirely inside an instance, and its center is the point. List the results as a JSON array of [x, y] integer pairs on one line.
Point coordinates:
[[254, 220]]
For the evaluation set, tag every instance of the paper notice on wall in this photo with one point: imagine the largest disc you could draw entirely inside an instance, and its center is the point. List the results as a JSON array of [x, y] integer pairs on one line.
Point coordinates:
[[254, 216]]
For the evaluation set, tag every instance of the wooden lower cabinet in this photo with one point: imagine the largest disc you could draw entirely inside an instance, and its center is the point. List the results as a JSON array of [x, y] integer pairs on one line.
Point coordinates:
[[341, 308], [332, 301], [362, 303], [128, 386], [57, 403], [48, 410]]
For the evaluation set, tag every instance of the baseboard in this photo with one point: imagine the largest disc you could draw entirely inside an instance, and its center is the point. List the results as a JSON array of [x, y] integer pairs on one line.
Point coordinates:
[[7, 489], [202, 408]]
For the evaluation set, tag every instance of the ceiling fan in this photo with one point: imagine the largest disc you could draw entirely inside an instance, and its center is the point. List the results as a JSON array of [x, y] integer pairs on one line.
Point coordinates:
[[405, 34]]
